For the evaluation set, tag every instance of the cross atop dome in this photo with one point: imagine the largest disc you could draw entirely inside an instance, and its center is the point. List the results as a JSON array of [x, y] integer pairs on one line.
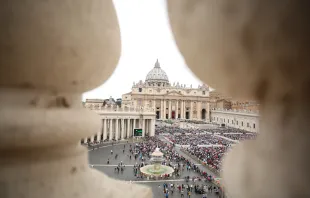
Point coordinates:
[[157, 65]]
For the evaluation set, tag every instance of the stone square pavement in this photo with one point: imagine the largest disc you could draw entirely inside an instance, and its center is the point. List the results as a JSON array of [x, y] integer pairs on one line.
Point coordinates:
[[98, 159]]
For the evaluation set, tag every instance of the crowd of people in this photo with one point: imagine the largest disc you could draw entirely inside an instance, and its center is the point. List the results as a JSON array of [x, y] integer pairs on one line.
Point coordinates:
[[199, 136], [171, 158], [179, 163], [209, 145], [211, 156], [241, 136], [188, 189], [140, 152], [198, 139]]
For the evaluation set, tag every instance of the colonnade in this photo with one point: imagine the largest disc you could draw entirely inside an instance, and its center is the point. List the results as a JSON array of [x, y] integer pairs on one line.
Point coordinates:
[[122, 128]]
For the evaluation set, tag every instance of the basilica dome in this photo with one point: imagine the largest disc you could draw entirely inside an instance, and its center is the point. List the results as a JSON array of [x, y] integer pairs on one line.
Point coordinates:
[[157, 76]]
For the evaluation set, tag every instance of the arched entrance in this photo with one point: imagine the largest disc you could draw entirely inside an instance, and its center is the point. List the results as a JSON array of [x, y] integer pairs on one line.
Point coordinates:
[[203, 114]]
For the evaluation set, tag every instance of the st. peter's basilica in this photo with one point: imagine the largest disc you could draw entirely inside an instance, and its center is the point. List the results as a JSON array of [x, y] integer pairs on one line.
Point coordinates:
[[169, 101]]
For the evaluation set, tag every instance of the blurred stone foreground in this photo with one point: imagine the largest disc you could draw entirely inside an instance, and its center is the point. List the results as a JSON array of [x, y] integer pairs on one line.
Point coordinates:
[[51, 52], [254, 49]]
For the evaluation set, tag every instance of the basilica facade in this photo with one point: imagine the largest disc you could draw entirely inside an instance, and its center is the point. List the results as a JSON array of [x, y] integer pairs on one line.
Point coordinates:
[[157, 99], [169, 101]]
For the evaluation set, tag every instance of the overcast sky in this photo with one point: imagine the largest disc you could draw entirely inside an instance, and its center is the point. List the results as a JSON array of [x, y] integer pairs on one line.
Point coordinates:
[[146, 36]]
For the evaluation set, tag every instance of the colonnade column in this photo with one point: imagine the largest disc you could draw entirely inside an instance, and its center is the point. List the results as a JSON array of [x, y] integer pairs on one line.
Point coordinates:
[[85, 140], [122, 127], [116, 129], [152, 133], [134, 126], [165, 102], [110, 131], [128, 127], [177, 110], [131, 127], [104, 129], [125, 128], [169, 110], [150, 126], [99, 136], [92, 138]]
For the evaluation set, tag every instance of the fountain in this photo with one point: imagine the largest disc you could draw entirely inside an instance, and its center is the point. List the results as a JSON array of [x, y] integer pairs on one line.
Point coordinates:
[[156, 169]]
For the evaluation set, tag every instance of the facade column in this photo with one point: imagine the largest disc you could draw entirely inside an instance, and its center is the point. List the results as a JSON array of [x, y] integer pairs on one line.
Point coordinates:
[[92, 138], [169, 110], [143, 127], [198, 110], [133, 127], [208, 111], [165, 103], [177, 110], [191, 111], [150, 127], [85, 140], [162, 109], [111, 129], [147, 131], [181, 109], [184, 109], [116, 129], [122, 128]]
